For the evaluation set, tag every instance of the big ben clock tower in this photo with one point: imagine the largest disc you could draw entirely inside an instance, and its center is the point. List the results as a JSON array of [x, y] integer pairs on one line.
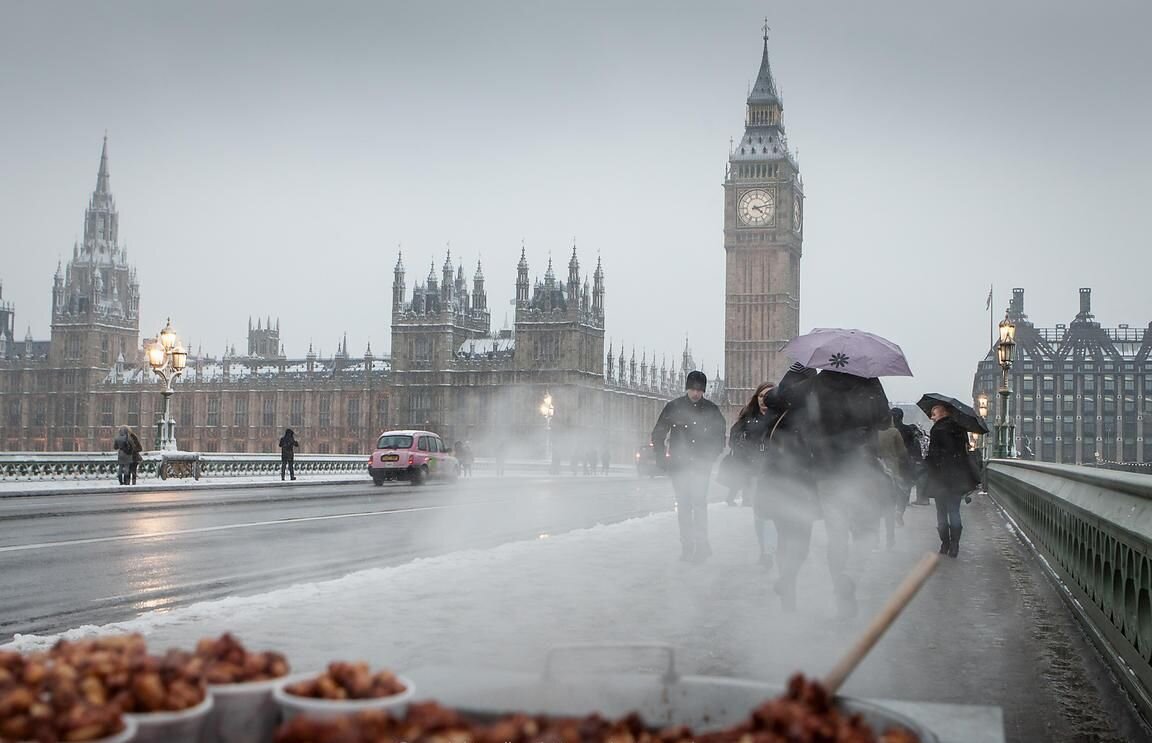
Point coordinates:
[[763, 233]]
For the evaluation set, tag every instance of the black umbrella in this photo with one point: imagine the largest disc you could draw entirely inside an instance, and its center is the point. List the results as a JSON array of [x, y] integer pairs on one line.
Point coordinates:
[[963, 414]]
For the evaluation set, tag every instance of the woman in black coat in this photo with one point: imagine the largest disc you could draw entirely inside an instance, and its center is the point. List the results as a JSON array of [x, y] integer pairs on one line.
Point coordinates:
[[746, 438], [288, 445], [949, 474]]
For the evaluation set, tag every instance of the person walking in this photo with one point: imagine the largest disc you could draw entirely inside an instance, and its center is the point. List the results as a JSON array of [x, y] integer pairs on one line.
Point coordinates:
[[288, 446], [137, 447], [786, 491], [123, 446], [604, 460], [848, 412], [949, 475], [693, 428], [894, 461], [911, 436], [746, 439]]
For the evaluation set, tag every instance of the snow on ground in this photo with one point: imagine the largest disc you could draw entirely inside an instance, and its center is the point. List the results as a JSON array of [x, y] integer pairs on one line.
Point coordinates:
[[505, 607]]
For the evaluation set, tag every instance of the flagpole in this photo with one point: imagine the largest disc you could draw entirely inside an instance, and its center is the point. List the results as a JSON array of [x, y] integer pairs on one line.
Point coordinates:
[[991, 317]]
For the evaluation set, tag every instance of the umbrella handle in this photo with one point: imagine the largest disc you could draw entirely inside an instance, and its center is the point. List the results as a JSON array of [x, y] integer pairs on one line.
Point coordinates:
[[881, 622]]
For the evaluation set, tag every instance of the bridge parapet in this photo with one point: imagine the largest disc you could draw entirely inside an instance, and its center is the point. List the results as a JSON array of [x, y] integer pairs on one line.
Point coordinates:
[[1093, 528], [102, 465]]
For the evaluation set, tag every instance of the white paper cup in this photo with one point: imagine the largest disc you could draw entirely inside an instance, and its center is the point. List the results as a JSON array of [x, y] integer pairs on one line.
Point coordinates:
[[244, 712], [326, 709], [125, 735], [185, 726]]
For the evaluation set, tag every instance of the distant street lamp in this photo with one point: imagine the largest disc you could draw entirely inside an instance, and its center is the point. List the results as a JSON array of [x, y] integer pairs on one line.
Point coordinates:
[[1005, 354], [982, 409], [547, 410], [168, 359]]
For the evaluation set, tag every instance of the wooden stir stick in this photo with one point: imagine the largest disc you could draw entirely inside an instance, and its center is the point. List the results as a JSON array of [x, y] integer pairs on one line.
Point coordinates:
[[880, 623]]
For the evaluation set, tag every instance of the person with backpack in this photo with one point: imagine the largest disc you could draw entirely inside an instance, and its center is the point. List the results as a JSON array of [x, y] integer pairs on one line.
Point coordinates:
[[137, 448], [123, 446], [288, 446]]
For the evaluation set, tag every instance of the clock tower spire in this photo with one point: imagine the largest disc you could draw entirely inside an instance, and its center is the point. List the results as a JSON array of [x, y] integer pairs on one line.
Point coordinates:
[[763, 235]]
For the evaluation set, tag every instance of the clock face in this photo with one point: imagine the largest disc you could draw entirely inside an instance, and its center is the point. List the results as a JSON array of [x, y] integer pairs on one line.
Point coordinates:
[[756, 207], [797, 222]]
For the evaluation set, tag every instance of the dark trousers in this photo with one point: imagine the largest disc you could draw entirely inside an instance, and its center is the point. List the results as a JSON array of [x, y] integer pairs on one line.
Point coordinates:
[[122, 474], [132, 470], [948, 510], [691, 487], [286, 463]]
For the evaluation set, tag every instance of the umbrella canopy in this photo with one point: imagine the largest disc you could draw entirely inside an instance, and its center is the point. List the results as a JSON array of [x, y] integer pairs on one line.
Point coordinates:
[[963, 414], [849, 351]]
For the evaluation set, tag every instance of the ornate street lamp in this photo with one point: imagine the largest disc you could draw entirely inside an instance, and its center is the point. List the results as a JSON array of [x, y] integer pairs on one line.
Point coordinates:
[[1005, 354], [547, 410], [168, 359], [982, 409]]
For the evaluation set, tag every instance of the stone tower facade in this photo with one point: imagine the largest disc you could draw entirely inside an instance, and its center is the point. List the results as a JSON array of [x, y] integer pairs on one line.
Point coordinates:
[[264, 339], [96, 298], [560, 325], [763, 235]]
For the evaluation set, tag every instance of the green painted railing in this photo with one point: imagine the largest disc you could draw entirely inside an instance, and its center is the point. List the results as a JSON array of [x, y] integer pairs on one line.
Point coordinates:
[[1094, 529]]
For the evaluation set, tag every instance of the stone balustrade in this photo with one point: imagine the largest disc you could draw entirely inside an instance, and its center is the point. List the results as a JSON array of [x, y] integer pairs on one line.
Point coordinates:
[[16, 466], [1093, 528]]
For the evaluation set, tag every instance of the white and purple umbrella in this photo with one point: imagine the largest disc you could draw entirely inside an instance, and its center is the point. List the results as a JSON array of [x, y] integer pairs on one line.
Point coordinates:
[[849, 351]]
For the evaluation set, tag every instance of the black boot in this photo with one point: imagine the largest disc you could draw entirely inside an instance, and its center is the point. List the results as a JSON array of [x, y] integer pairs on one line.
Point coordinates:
[[954, 540], [945, 540]]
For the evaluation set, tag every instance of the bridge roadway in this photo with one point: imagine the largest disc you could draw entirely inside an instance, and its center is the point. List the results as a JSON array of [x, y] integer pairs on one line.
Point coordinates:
[[988, 629]]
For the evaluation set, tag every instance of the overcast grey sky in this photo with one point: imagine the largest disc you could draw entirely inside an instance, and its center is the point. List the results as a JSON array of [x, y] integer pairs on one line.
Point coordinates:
[[267, 158]]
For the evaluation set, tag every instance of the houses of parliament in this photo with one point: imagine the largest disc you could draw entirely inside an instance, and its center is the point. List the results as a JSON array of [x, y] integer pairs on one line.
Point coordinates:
[[447, 372], [447, 369]]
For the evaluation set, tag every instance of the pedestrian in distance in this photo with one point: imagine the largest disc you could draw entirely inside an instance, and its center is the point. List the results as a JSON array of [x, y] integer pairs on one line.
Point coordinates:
[[896, 466], [747, 439], [137, 457], [501, 455], [288, 446], [124, 455], [604, 459], [912, 436], [950, 476], [693, 429]]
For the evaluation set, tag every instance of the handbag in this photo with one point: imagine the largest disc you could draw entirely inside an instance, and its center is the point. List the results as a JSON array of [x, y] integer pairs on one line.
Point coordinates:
[[733, 473]]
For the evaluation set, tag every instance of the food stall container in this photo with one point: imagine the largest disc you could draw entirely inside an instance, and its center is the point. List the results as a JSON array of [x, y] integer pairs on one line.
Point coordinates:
[[321, 709]]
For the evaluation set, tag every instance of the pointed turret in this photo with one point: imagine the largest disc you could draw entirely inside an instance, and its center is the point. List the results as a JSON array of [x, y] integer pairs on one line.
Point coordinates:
[[574, 277], [479, 296], [522, 285], [102, 181], [398, 285], [764, 91], [609, 371], [598, 291], [549, 275]]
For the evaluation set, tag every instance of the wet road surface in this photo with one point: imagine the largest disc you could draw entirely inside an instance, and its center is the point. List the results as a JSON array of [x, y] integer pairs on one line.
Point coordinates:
[[70, 560]]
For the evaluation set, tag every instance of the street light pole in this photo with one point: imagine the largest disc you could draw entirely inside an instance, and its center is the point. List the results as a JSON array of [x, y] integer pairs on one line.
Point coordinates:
[[1005, 353], [982, 408], [168, 360]]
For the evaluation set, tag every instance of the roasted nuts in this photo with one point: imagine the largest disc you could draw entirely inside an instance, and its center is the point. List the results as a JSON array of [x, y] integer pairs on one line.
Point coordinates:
[[348, 681], [227, 661]]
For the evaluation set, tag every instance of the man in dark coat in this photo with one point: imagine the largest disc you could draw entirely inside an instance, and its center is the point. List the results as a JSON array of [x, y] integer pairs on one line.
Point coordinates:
[[288, 445], [694, 430]]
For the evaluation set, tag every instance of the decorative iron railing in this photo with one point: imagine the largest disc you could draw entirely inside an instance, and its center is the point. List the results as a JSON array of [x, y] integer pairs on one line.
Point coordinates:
[[103, 465], [1094, 529]]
